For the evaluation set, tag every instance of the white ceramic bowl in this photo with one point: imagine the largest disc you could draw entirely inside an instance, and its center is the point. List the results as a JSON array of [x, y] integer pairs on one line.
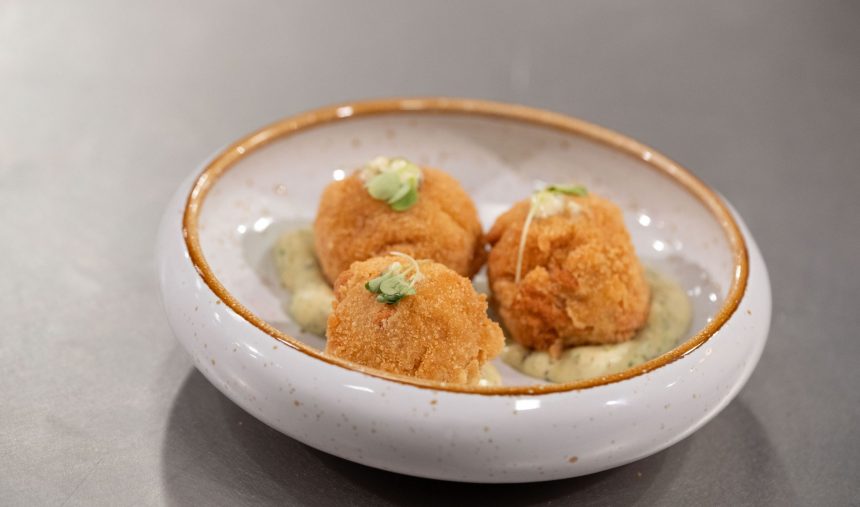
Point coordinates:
[[225, 306]]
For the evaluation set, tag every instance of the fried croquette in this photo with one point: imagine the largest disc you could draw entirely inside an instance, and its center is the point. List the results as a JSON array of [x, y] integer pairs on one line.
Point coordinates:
[[580, 280], [441, 332], [442, 225]]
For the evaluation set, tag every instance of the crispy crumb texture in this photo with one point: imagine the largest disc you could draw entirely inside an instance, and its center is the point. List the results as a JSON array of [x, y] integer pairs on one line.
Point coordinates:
[[442, 226], [440, 333], [581, 280]]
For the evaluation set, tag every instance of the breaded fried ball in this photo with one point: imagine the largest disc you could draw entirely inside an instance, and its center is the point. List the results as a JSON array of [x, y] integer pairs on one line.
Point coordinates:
[[442, 226], [440, 333], [580, 283]]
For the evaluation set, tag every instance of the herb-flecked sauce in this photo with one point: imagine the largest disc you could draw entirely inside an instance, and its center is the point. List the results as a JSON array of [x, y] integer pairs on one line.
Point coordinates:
[[668, 320], [299, 271]]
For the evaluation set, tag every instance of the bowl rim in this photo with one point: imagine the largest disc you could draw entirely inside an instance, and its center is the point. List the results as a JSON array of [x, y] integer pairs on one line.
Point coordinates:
[[228, 157]]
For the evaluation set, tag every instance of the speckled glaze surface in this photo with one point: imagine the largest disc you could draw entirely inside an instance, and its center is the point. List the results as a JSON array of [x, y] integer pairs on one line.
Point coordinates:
[[529, 435]]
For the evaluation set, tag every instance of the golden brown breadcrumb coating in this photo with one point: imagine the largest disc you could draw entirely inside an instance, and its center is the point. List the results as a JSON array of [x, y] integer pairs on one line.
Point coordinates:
[[581, 281], [443, 226], [441, 333]]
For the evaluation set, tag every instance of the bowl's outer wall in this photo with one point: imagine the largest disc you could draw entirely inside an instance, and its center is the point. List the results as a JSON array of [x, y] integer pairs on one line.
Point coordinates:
[[447, 435]]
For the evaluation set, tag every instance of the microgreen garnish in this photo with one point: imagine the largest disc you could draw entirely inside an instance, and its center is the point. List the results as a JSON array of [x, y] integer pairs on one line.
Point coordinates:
[[392, 285], [569, 189], [393, 180], [546, 202]]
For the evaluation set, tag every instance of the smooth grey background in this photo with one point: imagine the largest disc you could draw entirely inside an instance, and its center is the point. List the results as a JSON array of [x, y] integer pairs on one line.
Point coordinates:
[[105, 106]]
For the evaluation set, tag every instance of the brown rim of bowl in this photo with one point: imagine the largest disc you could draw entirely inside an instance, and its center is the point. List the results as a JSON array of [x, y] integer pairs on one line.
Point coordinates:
[[304, 121]]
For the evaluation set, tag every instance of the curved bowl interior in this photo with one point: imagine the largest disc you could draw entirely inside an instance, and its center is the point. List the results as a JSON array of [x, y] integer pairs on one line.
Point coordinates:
[[497, 160]]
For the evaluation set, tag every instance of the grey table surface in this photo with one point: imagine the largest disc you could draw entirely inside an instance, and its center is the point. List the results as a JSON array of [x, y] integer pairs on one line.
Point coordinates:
[[106, 106]]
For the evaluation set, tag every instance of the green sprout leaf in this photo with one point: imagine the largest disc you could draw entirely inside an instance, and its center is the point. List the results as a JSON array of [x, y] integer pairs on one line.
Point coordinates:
[[577, 190], [373, 285], [392, 284], [401, 192], [394, 181], [407, 201], [383, 186]]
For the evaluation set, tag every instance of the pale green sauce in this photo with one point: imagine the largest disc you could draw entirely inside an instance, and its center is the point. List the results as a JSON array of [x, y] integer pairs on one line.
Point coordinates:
[[490, 376], [311, 296], [668, 321]]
